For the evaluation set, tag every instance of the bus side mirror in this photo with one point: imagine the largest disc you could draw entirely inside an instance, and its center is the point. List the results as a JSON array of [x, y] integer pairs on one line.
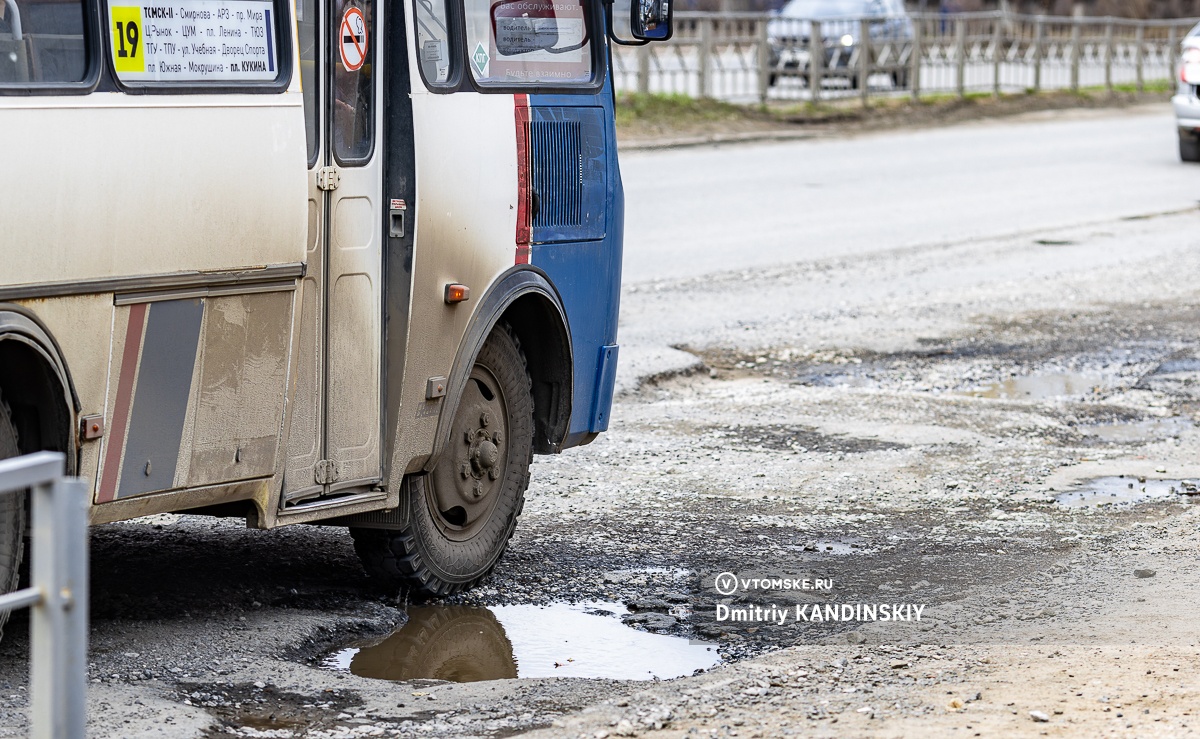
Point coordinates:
[[636, 22]]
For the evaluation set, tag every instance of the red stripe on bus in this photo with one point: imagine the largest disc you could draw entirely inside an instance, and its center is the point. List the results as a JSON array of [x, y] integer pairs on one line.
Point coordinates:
[[116, 435], [524, 193]]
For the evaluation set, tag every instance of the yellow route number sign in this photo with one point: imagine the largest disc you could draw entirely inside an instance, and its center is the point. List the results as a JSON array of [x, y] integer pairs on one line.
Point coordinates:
[[127, 39]]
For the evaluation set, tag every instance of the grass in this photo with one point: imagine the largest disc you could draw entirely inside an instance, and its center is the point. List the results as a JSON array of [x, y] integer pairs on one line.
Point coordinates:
[[674, 115], [657, 109]]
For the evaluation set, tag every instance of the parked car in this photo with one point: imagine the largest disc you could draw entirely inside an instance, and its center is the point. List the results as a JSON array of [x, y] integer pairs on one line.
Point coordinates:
[[1187, 98], [789, 32]]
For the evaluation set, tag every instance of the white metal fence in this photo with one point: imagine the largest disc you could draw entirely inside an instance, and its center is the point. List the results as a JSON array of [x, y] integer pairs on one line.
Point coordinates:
[[758, 58], [58, 596]]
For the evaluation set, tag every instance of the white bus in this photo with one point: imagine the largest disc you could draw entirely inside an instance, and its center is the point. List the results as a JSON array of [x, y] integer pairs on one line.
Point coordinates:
[[339, 260]]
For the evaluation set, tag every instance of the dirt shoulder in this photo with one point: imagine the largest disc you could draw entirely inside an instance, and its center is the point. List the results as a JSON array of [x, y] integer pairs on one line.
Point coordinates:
[[1124, 665], [660, 121]]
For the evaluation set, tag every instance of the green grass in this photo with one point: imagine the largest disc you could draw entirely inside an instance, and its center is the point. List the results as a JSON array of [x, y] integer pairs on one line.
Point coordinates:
[[1152, 86], [656, 114], [674, 109]]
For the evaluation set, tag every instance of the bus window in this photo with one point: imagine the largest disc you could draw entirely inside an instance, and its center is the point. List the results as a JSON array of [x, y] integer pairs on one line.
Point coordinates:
[[353, 88], [433, 42], [42, 42], [307, 14], [515, 42]]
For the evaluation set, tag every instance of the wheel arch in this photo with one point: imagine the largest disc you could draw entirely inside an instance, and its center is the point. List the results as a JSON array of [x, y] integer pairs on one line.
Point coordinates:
[[524, 298], [36, 383]]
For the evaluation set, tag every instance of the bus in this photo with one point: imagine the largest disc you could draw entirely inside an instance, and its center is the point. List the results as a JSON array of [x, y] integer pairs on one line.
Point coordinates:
[[336, 261]]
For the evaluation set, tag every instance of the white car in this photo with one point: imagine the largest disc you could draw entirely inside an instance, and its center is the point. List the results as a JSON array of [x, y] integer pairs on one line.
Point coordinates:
[[1187, 98]]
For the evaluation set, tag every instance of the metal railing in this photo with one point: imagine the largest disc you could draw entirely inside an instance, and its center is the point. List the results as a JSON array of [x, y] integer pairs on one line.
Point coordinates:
[[58, 597], [744, 57]]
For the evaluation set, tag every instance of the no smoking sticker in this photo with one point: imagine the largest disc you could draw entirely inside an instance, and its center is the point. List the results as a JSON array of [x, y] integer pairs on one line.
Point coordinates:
[[353, 39]]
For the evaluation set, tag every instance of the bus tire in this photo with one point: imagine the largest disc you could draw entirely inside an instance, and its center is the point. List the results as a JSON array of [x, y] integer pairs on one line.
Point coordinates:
[[12, 515], [465, 510]]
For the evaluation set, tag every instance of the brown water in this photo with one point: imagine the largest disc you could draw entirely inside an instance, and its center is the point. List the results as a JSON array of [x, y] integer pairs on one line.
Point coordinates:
[[1039, 386], [464, 644]]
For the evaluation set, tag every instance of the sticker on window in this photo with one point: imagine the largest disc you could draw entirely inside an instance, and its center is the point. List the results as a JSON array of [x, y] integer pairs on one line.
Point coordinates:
[[195, 41], [353, 39], [529, 41]]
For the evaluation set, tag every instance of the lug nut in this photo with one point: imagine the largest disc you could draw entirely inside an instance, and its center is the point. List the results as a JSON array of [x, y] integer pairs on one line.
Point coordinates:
[[478, 489], [485, 418], [466, 437], [465, 470], [493, 473]]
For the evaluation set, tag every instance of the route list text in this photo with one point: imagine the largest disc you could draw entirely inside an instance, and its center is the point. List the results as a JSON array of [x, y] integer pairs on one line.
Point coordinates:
[[194, 40]]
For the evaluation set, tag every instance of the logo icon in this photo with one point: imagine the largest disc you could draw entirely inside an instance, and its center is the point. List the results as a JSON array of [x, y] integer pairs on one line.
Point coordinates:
[[726, 583], [480, 58]]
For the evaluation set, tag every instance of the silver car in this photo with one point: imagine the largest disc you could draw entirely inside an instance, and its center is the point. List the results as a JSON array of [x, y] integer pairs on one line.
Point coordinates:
[[1187, 98], [789, 31]]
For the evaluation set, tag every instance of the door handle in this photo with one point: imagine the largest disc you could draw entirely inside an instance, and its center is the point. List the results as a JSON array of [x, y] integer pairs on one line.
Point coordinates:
[[396, 215]]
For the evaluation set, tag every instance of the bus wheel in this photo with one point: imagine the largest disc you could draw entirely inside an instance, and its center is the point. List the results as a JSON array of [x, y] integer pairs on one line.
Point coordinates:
[[463, 513], [12, 515]]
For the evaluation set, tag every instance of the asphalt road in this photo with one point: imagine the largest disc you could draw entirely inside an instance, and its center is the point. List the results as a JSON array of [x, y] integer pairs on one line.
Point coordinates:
[[694, 211]]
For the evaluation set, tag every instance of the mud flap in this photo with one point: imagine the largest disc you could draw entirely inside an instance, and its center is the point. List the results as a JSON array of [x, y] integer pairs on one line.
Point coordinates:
[[605, 381]]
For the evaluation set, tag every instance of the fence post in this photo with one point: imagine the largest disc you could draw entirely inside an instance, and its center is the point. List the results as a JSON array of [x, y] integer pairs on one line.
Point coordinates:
[[997, 56], [1172, 54], [1108, 56], [706, 24], [1039, 31], [816, 60], [643, 69], [864, 59], [914, 75], [1140, 56], [58, 626], [1075, 31], [764, 61], [960, 56]]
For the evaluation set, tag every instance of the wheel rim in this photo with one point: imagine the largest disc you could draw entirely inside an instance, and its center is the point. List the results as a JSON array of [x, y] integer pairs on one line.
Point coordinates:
[[465, 485]]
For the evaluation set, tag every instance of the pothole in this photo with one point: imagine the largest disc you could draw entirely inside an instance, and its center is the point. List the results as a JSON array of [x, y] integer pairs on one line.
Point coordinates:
[[804, 439], [1153, 429], [1123, 490], [465, 644], [1040, 386], [836, 547]]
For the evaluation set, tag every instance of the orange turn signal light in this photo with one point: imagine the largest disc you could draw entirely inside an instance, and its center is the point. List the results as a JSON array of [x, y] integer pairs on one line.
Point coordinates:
[[456, 293]]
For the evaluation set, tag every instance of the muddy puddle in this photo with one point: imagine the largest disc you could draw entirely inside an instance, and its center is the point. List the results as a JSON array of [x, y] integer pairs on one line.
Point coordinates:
[[1153, 429], [1123, 490], [1040, 386], [836, 547], [465, 644]]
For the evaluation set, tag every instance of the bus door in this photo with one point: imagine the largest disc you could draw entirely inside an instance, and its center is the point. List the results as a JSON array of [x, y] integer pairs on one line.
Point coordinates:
[[334, 436]]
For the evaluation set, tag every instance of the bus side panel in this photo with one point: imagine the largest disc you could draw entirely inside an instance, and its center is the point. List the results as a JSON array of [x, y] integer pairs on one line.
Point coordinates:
[[113, 185], [466, 170], [157, 196], [587, 274], [196, 393], [83, 326]]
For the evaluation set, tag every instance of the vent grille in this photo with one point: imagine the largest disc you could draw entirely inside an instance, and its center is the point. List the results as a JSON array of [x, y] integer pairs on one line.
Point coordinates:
[[557, 173]]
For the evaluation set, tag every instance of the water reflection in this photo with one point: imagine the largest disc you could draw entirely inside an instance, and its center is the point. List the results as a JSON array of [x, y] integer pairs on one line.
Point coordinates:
[[464, 644], [456, 643], [1108, 491], [1041, 386]]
